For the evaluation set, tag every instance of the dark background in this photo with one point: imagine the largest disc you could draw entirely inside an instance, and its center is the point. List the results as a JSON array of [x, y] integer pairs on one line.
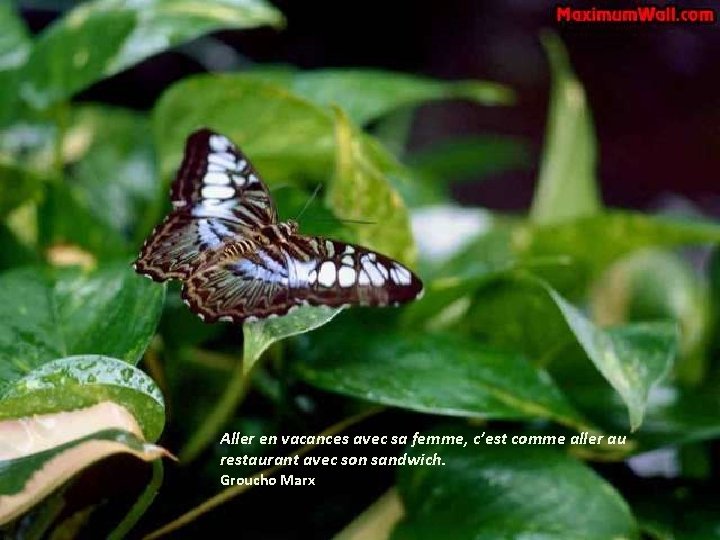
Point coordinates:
[[652, 89]]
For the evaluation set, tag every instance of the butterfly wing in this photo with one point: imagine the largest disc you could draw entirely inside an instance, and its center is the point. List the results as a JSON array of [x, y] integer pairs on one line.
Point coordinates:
[[271, 279], [216, 195]]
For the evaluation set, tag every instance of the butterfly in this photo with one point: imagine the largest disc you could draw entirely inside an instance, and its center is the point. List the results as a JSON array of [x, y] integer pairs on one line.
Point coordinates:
[[238, 263]]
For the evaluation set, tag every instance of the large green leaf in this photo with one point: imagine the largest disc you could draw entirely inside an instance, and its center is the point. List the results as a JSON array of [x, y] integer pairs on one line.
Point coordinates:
[[110, 311], [432, 372], [360, 191], [632, 358], [100, 38], [26, 480], [469, 158], [567, 187], [283, 135], [502, 492], [368, 94], [76, 382]]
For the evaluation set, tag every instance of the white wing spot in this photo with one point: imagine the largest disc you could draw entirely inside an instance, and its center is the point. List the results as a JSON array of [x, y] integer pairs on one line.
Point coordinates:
[[346, 276], [312, 277], [372, 256], [202, 317], [404, 276], [239, 180], [330, 248], [217, 192], [394, 275], [347, 259], [363, 278], [383, 270], [326, 276], [375, 276], [186, 302], [241, 164], [219, 143], [226, 318], [349, 250], [216, 178]]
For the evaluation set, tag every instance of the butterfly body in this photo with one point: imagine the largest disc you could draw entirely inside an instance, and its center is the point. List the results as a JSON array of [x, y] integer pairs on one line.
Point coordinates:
[[238, 263]]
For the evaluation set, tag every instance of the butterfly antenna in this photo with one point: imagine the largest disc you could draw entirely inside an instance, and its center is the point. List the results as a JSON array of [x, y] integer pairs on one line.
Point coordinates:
[[307, 203]]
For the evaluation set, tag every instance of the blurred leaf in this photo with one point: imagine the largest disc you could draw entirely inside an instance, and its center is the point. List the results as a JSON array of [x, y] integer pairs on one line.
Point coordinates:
[[98, 39], [17, 185], [258, 336], [111, 311], [632, 358], [368, 94], [112, 166], [652, 284], [65, 219], [15, 43], [501, 492], [469, 158], [76, 382], [432, 372], [593, 242], [360, 191], [14, 252], [25, 481], [567, 186]]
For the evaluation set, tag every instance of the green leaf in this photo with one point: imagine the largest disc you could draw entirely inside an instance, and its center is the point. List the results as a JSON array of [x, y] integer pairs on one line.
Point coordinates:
[[15, 40], [502, 492], [111, 311], [567, 186], [26, 480], [368, 94], [110, 196], [76, 382], [284, 136], [360, 191], [652, 284], [432, 372], [259, 336], [611, 235], [632, 358], [469, 158], [17, 186], [99, 39]]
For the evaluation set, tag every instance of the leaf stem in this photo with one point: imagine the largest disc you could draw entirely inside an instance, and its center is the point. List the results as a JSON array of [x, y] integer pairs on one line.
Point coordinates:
[[236, 490], [142, 504], [234, 393]]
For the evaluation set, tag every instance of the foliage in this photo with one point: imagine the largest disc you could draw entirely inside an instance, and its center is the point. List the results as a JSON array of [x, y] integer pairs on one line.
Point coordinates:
[[511, 336]]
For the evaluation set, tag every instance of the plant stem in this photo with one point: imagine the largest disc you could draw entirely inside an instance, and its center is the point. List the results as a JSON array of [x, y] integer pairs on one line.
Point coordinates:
[[141, 505], [233, 395]]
